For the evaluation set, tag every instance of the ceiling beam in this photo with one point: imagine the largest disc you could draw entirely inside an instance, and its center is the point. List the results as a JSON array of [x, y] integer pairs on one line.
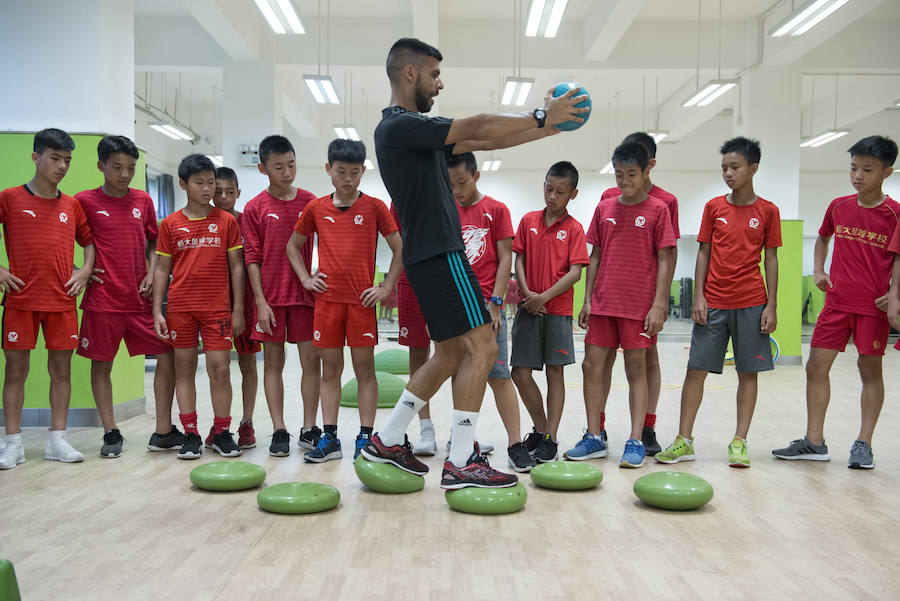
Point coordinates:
[[606, 24], [238, 38]]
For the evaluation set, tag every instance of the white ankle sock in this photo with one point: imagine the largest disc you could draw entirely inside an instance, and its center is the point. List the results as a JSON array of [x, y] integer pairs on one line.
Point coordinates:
[[462, 435], [14, 439], [426, 424], [404, 411]]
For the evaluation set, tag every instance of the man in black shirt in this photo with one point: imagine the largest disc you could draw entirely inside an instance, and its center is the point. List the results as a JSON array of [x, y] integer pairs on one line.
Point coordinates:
[[412, 150]]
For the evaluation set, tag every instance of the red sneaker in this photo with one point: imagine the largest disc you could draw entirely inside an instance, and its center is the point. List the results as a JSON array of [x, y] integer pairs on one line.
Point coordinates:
[[209, 439], [397, 455], [246, 435], [477, 473]]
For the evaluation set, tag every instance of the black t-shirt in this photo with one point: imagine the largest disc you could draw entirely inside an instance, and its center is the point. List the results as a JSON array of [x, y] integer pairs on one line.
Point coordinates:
[[412, 159]]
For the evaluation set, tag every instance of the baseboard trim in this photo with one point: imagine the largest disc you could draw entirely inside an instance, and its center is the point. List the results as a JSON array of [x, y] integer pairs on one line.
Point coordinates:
[[82, 417]]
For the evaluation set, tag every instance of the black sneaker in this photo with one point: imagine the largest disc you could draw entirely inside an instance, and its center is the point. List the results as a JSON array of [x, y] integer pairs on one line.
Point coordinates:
[[191, 447], [166, 442], [477, 473], [519, 458], [112, 444], [281, 444], [224, 445], [533, 440], [309, 437], [547, 451], [651, 446]]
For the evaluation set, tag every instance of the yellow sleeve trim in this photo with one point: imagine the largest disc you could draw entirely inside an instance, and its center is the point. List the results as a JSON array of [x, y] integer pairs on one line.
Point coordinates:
[[159, 252], [238, 247]]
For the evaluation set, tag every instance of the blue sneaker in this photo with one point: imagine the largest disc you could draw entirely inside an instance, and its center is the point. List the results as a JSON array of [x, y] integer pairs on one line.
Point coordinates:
[[329, 447], [633, 456], [589, 447], [362, 439]]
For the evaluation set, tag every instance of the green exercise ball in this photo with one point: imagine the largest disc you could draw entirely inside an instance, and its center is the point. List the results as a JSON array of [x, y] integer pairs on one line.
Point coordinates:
[[488, 501], [298, 497], [673, 490], [386, 478], [566, 475], [223, 476], [393, 361], [389, 389], [9, 588]]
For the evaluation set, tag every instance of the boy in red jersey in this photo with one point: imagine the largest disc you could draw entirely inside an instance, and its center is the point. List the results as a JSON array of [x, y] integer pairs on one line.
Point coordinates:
[[855, 299], [550, 254], [626, 298], [284, 308], [730, 298], [200, 246], [40, 227], [116, 305], [348, 223], [227, 192], [654, 378]]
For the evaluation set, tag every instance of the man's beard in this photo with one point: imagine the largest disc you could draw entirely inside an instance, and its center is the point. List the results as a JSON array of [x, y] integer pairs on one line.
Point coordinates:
[[422, 100]]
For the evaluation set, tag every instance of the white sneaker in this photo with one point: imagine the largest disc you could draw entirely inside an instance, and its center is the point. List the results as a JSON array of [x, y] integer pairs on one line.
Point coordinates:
[[426, 445], [483, 447], [59, 449], [12, 453]]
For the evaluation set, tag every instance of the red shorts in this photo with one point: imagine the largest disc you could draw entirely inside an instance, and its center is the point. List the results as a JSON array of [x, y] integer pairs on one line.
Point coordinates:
[[102, 333], [834, 328], [20, 329], [213, 326], [613, 332], [337, 322], [292, 324], [413, 330], [244, 344]]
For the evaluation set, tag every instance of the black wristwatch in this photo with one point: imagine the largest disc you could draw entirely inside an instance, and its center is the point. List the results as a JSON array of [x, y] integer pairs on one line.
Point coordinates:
[[540, 115]]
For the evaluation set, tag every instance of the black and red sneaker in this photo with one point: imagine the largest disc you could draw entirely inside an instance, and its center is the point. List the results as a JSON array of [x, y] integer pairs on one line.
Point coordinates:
[[397, 455], [477, 473]]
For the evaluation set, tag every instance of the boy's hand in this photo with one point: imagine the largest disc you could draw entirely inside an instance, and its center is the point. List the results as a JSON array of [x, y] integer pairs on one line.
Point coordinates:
[[96, 279], [534, 304], [700, 310], [9, 282], [159, 324], [265, 318], [768, 321], [78, 282], [656, 317], [823, 281], [237, 323], [145, 289], [893, 311], [494, 310], [584, 318], [316, 283], [881, 303], [373, 295]]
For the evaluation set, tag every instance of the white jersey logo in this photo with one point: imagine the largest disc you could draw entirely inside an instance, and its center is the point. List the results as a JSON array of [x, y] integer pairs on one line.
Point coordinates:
[[103, 213], [533, 230], [173, 334], [273, 215], [84, 343], [13, 336], [612, 220], [645, 335], [640, 221], [561, 235], [74, 336], [358, 219], [489, 216], [327, 218], [29, 211], [213, 228], [63, 218], [722, 219], [184, 229], [404, 332], [369, 334], [475, 240], [258, 328], [136, 213], [317, 335], [754, 222]]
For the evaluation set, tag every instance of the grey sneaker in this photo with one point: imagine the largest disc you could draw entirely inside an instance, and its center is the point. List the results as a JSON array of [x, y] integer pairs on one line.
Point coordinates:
[[861, 457], [112, 444], [802, 448]]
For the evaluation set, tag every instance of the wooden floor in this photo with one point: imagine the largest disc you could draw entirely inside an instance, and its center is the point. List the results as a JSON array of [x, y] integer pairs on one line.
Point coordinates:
[[133, 527]]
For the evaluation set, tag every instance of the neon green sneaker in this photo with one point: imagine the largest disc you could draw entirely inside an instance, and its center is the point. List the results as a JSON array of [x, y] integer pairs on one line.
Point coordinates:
[[680, 450], [737, 453]]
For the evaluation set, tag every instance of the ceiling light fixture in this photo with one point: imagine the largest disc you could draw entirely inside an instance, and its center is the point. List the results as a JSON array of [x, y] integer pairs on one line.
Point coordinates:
[[824, 138], [491, 165], [806, 17], [544, 18], [607, 169], [173, 132], [322, 88], [216, 159], [347, 132], [515, 90], [658, 135], [709, 92], [368, 164], [281, 16]]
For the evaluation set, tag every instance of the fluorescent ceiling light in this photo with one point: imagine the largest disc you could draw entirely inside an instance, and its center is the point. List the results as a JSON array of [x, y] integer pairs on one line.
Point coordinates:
[[516, 90], [171, 131], [534, 18], [607, 169], [346, 131], [322, 88], [806, 17], [824, 138], [897, 102], [556, 15], [709, 92], [544, 18], [368, 164], [281, 16], [724, 87], [491, 165], [216, 159], [658, 135]]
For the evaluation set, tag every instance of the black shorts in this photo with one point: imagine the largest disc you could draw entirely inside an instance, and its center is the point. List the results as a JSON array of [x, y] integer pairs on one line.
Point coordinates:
[[449, 295]]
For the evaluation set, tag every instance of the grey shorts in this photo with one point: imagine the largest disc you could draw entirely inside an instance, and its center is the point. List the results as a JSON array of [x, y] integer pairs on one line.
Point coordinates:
[[501, 365], [542, 340], [752, 350]]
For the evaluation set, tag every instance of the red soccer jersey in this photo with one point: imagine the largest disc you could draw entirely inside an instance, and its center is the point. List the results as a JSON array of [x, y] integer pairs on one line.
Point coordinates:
[[396, 217], [861, 262], [347, 243], [668, 198], [737, 236], [268, 225], [628, 237], [199, 250], [40, 235], [549, 253], [121, 228], [483, 225]]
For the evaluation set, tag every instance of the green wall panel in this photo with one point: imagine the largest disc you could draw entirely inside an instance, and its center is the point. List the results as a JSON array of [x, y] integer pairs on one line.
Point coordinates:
[[790, 288]]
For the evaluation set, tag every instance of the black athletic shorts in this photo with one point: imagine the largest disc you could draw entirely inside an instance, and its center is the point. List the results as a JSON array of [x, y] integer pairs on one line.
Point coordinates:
[[449, 295]]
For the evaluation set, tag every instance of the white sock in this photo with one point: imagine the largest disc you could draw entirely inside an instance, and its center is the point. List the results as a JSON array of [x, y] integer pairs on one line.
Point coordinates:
[[426, 424], [14, 439], [404, 411], [462, 435], [57, 434]]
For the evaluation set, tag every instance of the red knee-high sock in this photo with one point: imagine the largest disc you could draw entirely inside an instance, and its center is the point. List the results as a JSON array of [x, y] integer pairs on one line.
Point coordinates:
[[189, 422], [650, 420], [220, 424], [602, 420]]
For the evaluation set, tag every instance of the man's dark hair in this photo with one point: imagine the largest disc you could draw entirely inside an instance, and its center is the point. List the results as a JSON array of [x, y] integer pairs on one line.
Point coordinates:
[[193, 164], [644, 139], [53, 139], [564, 169], [631, 152], [110, 145], [274, 145], [227, 174], [346, 151], [467, 159], [409, 51], [880, 147], [746, 147]]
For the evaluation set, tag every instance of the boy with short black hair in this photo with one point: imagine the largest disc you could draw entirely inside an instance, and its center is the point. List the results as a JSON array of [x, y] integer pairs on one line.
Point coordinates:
[[228, 191], [550, 254], [347, 223], [40, 227], [284, 308], [626, 298], [730, 298], [200, 246], [116, 306], [855, 298]]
